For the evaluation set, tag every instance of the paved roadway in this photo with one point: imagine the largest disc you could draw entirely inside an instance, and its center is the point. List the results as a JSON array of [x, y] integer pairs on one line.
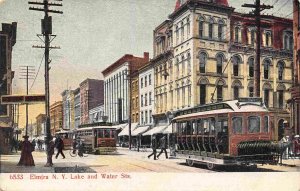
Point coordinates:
[[127, 161]]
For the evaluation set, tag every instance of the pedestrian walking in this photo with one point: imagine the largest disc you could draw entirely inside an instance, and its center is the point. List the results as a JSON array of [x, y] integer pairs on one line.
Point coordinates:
[[154, 147], [163, 146], [296, 145], [33, 144], [284, 146], [14, 145], [59, 144], [26, 154], [50, 151]]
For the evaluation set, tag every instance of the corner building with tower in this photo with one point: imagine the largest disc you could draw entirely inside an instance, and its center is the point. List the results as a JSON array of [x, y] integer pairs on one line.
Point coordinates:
[[205, 52]]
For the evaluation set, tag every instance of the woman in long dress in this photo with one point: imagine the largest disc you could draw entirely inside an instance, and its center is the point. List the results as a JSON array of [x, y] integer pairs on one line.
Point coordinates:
[[26, 154]]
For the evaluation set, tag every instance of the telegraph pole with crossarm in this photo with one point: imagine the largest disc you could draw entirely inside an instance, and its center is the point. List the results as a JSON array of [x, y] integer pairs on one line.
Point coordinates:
[[47, 35], [257, 9]]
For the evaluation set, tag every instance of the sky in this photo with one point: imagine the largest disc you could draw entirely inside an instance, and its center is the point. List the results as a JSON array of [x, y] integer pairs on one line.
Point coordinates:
[[92, 35]]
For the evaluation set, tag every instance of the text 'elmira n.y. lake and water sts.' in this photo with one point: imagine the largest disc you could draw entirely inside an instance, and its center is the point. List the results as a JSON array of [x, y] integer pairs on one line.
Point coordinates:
[[68, 176]]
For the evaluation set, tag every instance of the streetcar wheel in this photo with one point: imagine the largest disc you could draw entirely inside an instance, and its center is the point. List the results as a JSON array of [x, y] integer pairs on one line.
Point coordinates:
[[210, 166], [189, 162], [73, 154]]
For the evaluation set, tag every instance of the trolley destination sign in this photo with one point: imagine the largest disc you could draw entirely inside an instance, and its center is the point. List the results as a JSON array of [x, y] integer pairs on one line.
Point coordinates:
[[22, 99]]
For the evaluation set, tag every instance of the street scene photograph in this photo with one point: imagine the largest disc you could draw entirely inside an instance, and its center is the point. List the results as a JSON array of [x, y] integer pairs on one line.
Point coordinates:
[[149, 95]]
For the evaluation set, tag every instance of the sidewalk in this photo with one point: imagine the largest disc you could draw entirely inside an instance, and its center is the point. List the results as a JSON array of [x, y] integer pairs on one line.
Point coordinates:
[[8, 164]]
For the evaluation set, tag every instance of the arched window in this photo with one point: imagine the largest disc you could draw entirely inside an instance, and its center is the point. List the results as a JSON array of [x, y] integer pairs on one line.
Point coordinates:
[[236, 85], [183, 64], [182, 31], [236, 60], [252, 37], [280, 70], [266, 88], [177, 67], [202, 88], [203, 60], [286, 39], [219, 88], [188, 26], [291, 43], [210, 29], [177, 33], [236, 34], [251, 89], [201, 27], [251, 67], [220, 29], [267, 64], [220, 61], [268, 39], [189, 62]]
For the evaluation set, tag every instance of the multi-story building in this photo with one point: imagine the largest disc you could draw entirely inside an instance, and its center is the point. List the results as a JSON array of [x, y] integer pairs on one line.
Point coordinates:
[[91, 95], [205, 53], [40, 125], [68, 110], [295, 122], [134, 99], [56, 116], [96, 114], [116, 87], [7, 41], [77, 107], [146, 94]]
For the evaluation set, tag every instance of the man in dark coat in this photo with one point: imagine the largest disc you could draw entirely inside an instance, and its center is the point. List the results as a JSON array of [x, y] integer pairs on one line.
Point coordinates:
[[26, 154], [163, 146], [154, 146], [50, 150], [59, 144]]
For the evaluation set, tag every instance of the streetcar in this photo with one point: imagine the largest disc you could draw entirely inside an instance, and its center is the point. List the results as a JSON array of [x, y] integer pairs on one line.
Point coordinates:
[[67, 136], [237, 132], [98, 139]]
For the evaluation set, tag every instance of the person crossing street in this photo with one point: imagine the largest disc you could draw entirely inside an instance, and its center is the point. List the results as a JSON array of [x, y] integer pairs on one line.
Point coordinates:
[[59, 144], [163, 146], [154, 147]]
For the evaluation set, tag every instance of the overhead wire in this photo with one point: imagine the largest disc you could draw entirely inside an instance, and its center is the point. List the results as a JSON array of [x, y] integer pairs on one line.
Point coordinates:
[[37, 71]]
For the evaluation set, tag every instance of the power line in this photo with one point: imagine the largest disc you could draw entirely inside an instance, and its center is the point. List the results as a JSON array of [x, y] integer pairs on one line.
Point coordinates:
[[37, 72]]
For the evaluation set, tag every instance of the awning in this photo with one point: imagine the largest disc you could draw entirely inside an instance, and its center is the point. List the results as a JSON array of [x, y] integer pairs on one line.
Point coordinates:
[[120, 126], [155, 130], [139, 130], [168, 130], [125, 131]]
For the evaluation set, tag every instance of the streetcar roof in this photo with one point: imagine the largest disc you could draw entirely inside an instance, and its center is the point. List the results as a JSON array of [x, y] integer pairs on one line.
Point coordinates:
[[232, 107], [96, 127]]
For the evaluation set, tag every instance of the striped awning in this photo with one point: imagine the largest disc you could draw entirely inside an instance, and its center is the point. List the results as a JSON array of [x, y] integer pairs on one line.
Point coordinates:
[[125, 131], [155, 130], [139, 130]]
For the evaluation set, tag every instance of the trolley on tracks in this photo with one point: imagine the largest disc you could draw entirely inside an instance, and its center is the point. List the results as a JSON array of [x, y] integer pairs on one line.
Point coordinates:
[[237, 132]]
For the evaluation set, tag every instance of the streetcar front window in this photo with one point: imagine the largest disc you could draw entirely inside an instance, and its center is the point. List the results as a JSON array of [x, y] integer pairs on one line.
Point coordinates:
[[237, 125], [106, 134], [253, 124]]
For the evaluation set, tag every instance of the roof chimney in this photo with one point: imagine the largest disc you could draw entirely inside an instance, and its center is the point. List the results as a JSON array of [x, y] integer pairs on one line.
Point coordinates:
[[146, 56]]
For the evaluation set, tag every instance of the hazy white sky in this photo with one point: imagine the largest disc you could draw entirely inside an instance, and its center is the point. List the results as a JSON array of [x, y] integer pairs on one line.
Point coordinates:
[[92, 34]]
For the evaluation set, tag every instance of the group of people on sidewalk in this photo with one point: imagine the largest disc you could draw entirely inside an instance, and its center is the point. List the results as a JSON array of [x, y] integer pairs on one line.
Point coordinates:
[[162, 144], [290, 147]]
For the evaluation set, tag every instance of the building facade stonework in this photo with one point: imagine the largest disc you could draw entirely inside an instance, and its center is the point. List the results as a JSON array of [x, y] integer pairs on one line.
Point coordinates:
[[56, 116], [205, 52]]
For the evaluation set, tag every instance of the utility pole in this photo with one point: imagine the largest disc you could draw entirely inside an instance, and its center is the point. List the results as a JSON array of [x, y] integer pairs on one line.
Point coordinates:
[[27, 72], [47, 34], [258, 8]]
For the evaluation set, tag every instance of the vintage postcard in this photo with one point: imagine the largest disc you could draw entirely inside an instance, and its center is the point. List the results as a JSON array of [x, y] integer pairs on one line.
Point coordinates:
[[149, 95]]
